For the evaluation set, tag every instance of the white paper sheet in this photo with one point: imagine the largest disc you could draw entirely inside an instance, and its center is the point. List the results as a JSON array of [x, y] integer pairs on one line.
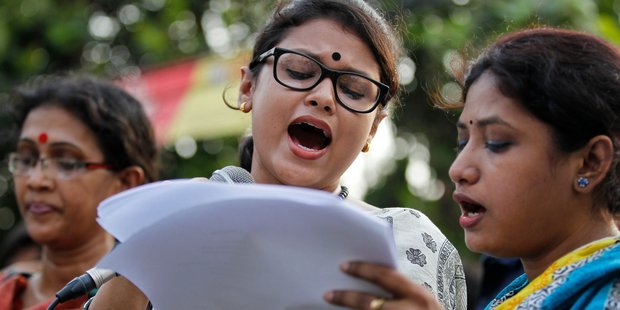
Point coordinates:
[[204, 245]]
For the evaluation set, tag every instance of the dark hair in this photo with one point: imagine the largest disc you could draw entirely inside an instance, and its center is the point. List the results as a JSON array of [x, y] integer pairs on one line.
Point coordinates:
[[117, 119], [567, 79], [246, 149]]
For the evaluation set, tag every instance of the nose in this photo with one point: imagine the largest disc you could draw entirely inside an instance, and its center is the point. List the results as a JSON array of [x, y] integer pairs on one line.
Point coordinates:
[[38, 178], [323, 96], [463, 170]]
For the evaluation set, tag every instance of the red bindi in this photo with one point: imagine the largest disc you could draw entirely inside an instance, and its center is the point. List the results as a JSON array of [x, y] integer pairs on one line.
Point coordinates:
[[42, 137]]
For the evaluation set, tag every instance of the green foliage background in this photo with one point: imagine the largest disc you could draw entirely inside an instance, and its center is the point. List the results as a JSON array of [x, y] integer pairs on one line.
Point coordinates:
[[48, 36]]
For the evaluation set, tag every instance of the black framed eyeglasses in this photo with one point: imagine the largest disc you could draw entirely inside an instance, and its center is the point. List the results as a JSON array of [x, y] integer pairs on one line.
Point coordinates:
[[297, 71], [60, 168]]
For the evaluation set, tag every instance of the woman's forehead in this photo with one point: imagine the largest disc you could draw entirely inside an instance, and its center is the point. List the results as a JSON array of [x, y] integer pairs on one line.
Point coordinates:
[[332, 44]]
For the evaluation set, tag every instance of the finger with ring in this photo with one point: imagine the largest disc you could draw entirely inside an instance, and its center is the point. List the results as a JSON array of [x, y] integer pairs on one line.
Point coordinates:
[[377, 304]]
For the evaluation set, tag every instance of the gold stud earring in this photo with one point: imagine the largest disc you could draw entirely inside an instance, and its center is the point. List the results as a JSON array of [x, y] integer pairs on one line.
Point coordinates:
[[366, 147], [242, 107]]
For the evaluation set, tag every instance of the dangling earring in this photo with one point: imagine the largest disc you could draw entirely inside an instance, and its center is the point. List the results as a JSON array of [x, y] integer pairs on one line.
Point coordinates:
[[582, 182], [366, 147], [242, 107]]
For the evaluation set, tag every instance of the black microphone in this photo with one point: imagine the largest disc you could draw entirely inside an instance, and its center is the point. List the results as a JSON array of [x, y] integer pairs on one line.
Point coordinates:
[[96, 277], [92, 279]]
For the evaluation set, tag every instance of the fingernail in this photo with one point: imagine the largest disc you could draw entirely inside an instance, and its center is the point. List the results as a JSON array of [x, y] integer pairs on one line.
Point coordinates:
[[328, 296], [344, 266]]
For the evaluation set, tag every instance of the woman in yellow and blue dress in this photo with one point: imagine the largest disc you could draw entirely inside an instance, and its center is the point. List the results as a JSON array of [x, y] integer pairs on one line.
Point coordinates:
[[536, 174]]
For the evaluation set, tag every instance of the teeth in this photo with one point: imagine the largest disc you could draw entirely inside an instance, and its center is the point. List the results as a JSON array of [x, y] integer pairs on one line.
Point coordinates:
[[316, 128], [472, 213], [305, 148]]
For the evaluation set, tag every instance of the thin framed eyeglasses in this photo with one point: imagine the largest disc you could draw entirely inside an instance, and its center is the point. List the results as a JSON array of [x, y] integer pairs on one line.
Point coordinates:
[[61, 168], [297, 71]]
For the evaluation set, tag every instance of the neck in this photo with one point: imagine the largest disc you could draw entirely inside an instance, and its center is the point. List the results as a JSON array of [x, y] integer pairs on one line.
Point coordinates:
[[589, 232], [261, 176], [59, 266]]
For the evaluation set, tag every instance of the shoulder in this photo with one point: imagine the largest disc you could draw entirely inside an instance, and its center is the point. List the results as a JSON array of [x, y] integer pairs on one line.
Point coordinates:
[[24, 267], [11, 284], [415, 232], [409, 220], [362, 205], [426, 256], [12, 275]]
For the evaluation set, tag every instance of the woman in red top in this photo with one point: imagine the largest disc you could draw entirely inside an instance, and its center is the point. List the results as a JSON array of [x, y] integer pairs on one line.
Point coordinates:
[[80, 141]]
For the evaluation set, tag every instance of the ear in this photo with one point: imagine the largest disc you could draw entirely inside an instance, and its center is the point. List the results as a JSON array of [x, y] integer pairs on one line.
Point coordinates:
[[375, 124], [246, 88], [130, 177], [597, 157]]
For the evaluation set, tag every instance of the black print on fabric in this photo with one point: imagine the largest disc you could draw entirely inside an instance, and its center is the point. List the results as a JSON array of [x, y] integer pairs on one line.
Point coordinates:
[[416, 257], [613, 300], [430, 243], [415, 213]]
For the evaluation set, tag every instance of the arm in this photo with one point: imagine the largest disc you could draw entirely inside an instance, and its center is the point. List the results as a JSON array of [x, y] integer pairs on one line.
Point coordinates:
[[407, 295], [119, 293]]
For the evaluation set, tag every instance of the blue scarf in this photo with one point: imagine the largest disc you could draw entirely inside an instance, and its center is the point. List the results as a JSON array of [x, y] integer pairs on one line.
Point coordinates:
[[587, 278]]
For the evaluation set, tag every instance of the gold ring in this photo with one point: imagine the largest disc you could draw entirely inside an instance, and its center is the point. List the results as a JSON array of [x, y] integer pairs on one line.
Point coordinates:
[[377, 304]]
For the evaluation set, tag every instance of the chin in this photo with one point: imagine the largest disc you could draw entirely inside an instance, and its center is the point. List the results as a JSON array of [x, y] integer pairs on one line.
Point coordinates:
[[475, 243], [496, 249], [300, 181], [294, 176]]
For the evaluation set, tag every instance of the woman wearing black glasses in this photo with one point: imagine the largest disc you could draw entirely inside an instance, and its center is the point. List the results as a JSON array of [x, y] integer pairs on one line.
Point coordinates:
[[321, 80], [80, 141]]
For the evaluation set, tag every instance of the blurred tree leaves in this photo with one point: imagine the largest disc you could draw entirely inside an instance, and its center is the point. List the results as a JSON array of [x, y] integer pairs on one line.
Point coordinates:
[[113, 38]]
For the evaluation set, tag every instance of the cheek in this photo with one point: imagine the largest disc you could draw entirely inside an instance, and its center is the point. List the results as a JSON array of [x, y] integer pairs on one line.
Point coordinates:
[[87, 196], [20, 190], [266, 132], [20, 185], [269, 95], [355, 130], [78, 197], [271, 111], [519, 195]]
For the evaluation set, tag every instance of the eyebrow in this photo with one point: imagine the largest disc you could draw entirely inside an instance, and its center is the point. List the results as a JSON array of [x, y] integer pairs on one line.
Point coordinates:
[[318, 58], [53, 144], [493, 120]]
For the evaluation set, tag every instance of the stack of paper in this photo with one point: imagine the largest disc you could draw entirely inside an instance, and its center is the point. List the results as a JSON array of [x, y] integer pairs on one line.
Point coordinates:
[[204, 245]]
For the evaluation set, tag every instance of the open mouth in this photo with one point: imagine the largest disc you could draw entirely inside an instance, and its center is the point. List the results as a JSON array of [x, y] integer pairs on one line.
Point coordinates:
[[471, 209], [309, 136]]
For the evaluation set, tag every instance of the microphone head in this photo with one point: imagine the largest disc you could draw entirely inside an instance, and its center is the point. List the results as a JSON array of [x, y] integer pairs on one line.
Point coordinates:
[[232, 174]]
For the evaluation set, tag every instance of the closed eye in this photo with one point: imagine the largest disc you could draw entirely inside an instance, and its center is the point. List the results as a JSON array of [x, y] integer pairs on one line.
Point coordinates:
[[68, 164], [351, 93], [298, 75], [28, 161], [497, 147]]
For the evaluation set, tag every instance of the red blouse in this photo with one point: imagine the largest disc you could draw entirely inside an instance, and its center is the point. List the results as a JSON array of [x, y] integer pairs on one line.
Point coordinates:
[[13, 286]]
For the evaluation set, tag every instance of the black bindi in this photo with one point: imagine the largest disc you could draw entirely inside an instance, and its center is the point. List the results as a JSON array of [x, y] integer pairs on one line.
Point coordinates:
[[336, 56], [471, 122]]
